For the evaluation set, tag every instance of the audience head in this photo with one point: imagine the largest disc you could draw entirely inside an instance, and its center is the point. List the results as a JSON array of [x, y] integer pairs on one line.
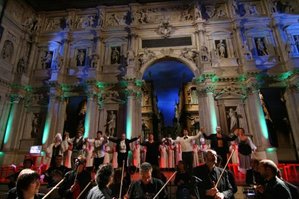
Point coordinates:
[[181, 165], [27, 183], [27, 163], [210, 157], [104, 175], [267, 169], [146, 172], [254, 164], [58, 160]]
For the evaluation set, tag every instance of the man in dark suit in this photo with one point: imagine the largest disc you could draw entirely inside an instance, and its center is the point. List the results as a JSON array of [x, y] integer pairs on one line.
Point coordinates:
[[209, 174], [122, 148], [220, 143]]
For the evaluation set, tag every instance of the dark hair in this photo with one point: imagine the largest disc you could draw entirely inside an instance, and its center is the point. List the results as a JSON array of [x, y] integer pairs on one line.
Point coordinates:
[[144, 167], [100, 132], [270, 164], [25, 178], [28, 160], [103, 175]]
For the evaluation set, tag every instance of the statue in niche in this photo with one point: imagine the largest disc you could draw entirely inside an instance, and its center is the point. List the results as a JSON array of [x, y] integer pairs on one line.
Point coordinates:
[[59, 62], [47, 59], [221, 48], [260, 46], [94, 61], [296, 41], [197, 11], [194, 96], [21, 66], [146, 98], [115, 55], [130, 56], [30, 23], [81, 55], [232, 117], [111, 123], [100, 18], [7, 50], [246, 51], [82, 114], [35, 124], [204, 54]]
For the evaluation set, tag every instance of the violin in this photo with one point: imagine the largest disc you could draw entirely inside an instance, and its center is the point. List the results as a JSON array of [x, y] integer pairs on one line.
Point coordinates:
[[76, 190]]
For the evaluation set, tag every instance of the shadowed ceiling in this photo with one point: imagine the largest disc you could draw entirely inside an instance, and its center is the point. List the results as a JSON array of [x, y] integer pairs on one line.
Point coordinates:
[[50, 5]]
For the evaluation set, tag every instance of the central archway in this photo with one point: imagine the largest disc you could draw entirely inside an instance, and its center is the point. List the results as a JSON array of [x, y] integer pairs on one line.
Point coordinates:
[[164, 93]]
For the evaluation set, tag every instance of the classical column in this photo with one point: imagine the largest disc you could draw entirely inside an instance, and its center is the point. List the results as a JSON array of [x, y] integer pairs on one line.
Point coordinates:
[[4, 118], [281, 45], [66, 48], [11, 129], [132, 122], [258, 126], [90, 123], [207, 110], [51, 118], [292, 104], [61, 114]]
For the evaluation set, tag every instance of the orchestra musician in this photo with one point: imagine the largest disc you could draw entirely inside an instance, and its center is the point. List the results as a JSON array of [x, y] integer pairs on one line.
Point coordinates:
[[147, 186], [104, 178], [75, 180]]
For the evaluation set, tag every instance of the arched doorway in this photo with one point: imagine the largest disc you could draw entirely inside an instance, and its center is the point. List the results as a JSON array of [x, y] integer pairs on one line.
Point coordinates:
[[169, 100]]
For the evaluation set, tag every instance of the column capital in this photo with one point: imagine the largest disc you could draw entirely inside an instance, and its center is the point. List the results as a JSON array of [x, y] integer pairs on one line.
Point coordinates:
[[15, 98]]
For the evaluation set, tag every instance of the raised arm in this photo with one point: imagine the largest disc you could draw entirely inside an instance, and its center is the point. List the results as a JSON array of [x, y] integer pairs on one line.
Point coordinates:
[[112, 139], [133, 139]]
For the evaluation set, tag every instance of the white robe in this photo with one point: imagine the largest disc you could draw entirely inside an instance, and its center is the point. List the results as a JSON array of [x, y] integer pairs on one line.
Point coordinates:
[[163, 157], [171, 159]]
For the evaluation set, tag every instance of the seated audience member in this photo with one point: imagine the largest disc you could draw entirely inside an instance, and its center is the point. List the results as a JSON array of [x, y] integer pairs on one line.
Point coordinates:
[[147, 186], [27, 164], [156, 173], [182, 180], [252, 175], [294, 190], [115, 185], [104, 178], [209, 173], [230, 174], [56, 172], [75, 180], [28, 185], [273, 186]]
